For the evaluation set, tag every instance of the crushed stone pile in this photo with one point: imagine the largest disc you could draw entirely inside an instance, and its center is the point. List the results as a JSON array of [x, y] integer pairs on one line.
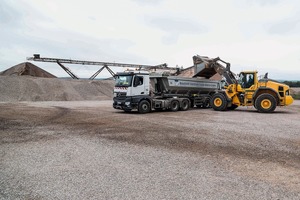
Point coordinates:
[[28, 88], [27, 68], [28, 82], [190, 72]]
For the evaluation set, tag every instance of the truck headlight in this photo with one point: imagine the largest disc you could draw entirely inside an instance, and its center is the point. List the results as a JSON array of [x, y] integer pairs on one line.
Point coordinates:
[[127, 103]]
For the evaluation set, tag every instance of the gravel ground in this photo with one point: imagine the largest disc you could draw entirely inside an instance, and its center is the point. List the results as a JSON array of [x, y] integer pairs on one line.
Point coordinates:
[[88, 150]]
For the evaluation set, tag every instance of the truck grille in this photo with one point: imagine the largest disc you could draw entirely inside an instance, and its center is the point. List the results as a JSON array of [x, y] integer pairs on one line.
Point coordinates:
[[120, 95]]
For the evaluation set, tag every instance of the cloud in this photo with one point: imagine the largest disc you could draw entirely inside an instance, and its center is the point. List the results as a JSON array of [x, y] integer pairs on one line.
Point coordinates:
[[289, 25], [263, 3], [150, 2], [246, 32], [9, 15], [175, 26]]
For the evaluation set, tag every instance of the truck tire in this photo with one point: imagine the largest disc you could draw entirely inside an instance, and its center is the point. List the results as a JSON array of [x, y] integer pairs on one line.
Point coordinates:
[[265, 103], [144, 107], [218, 102], [174, 105], [185, 105]]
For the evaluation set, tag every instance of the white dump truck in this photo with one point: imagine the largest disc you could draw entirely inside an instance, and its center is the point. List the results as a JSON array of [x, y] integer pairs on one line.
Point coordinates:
[[144, 91]]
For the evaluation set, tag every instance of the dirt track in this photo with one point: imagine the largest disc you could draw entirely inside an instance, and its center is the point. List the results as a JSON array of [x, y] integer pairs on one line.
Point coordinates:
[[88, 150]]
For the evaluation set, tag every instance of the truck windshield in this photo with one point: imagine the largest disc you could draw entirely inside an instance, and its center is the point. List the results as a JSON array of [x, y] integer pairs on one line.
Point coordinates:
[[123, 80]]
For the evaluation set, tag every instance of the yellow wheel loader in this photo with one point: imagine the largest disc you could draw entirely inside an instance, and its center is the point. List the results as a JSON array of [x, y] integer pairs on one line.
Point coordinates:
[[246, 90]]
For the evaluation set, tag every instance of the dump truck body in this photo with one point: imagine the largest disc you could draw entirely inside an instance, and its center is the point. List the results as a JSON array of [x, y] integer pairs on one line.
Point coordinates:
[[146, 92]]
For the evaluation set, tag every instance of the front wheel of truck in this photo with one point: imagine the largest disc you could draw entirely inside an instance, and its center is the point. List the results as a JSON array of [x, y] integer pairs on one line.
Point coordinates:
[[144, 107]]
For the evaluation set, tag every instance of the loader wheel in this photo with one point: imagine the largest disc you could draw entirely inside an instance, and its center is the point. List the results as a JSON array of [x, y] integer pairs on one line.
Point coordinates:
[[185, 105], [144, 107], [174, 106], [265, 103], [218, 102]]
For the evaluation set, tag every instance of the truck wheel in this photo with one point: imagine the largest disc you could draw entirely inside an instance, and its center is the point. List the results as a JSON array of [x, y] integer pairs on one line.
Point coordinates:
[[144, 107], [185, 105], [174, 106], [207, 103], [218, 102], [265, 103]]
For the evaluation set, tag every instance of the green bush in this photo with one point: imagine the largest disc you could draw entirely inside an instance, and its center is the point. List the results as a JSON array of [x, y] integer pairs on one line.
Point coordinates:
[[296, 96]]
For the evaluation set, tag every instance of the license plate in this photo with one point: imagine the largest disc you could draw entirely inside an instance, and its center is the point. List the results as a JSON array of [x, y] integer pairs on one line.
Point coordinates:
[[119, 103]]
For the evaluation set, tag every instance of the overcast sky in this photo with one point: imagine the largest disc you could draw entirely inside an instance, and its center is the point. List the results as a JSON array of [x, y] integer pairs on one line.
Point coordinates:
[[261, 35]]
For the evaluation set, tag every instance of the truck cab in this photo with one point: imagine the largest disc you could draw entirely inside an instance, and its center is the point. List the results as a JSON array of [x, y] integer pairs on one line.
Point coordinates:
[[130, 88]]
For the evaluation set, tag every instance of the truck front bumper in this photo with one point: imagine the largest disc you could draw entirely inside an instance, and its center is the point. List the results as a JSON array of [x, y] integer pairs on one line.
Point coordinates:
[[124, 104]]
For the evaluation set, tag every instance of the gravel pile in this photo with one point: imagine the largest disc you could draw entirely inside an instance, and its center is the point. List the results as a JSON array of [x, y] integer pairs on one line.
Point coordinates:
[[28, 82], [27, 68], [28, 88]]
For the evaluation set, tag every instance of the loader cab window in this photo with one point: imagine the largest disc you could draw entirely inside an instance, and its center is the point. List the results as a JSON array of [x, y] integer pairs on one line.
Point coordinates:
[[123, 80], [246, 80]]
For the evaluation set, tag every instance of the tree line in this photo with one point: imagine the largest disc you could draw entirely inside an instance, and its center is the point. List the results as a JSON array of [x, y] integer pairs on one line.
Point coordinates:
[[292, 83]]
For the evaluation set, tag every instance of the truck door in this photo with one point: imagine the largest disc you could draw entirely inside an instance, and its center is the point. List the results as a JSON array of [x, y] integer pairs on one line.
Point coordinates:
[[138, 86]]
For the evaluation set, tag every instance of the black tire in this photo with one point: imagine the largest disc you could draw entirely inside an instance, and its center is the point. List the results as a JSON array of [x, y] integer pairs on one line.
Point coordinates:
[[144, 107], [265, 103], [207, 103], [174, 105], [218, 102], [232, 107], [185, 105]]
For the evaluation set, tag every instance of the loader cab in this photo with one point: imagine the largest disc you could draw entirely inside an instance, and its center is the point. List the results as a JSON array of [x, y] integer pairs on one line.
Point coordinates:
[[247, 79]]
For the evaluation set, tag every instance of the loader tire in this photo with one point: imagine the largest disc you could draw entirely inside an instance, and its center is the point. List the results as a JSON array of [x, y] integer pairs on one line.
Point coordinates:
[[144, 107], [265, 103], [218, 102]]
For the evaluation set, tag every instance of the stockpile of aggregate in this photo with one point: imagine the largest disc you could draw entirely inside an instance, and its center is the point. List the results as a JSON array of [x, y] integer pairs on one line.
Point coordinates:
[[28, 69], [26, 88], [190, 72], [27, 82]]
